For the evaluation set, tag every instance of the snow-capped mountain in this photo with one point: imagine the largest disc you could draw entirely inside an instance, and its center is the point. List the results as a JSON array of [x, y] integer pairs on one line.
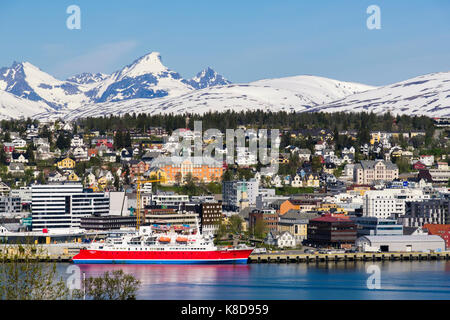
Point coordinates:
[[26, 81], [146, 85], [208, 78], [424, 95], [146, 77], [88, 78], [289, 94]]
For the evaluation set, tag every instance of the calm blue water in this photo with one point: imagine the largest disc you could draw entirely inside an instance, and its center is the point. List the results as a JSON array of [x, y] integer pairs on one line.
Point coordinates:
[[398, 280]]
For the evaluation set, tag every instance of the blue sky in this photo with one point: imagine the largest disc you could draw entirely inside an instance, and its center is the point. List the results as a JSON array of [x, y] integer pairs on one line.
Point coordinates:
[[243, 40]]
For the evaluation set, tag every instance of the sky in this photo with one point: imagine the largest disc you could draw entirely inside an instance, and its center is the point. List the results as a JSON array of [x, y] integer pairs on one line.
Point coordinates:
[[244, 40]]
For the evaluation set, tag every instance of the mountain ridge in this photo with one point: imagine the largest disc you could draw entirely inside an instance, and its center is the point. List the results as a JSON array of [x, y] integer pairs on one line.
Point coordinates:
[[147, 85]]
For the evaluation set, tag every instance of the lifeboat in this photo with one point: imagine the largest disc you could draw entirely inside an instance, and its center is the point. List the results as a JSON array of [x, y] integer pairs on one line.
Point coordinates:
[[164, 239], [182, 239]]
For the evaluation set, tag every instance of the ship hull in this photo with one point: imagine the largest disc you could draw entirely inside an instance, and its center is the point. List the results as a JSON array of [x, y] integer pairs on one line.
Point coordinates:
[[162, 257]]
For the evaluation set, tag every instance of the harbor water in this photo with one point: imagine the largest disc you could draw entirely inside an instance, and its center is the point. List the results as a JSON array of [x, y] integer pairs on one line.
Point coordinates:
[[342, 280]]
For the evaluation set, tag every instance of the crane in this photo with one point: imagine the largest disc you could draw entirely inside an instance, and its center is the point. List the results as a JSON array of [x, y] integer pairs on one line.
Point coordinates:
[[139, 183]]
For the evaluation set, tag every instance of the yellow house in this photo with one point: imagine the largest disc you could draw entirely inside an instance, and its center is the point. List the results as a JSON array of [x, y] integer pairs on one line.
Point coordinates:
[[102, 181], [312, 180], [325, 207], [158, 174], [375, 137], [361, 189], [73, 177], [94, 187], [66, 163]]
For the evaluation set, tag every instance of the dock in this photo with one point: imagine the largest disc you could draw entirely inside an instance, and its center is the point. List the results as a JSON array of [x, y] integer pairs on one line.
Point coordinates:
[[65, 252], [336, 257]]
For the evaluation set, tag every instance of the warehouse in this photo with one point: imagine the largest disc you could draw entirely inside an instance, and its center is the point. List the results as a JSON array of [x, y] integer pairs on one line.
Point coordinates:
[[405, 243]]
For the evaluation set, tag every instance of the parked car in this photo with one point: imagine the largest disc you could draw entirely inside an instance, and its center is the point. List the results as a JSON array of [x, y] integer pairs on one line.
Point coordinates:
[[259, 250]]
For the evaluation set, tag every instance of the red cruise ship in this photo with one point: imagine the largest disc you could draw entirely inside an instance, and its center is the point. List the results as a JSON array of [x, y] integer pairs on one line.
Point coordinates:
[[146, 246]]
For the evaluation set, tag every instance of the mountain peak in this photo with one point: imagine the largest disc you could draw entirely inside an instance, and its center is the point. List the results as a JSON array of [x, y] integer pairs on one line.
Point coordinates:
[[87, 78], [208, 78], [149, 63]]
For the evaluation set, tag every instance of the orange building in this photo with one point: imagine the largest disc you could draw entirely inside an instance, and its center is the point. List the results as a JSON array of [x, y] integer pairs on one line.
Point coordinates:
[[441, 230], [177, 169], [298, 204]]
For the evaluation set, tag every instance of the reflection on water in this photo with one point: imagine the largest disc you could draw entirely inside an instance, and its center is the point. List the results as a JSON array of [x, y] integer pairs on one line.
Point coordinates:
[[173, 274], [399, 280]]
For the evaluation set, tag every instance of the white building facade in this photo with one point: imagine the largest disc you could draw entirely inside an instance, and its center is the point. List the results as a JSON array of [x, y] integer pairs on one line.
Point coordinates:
[[63, 205], [389, 203]]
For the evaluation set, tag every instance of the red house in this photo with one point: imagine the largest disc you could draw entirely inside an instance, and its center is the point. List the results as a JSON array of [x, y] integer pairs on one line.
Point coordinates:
[[8, 147], [419, 166], [441, 230]]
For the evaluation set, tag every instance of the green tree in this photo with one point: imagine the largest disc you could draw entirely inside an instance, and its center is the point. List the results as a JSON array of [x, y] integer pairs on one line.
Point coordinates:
[[316, 164], [110, 286], [2, 156], [30, 153], [235, 224], [24, 277], [63, 142], [7, 137], [259, 229]]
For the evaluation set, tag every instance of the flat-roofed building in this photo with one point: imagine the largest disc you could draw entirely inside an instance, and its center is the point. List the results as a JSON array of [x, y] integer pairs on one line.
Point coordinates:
[[373, 226], [63, 205], [389, 203], [330, 231], [172, 217], [107, 222], [404, 243]]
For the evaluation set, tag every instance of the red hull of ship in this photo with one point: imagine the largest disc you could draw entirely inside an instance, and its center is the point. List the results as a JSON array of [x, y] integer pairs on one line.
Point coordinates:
[[162, 257]]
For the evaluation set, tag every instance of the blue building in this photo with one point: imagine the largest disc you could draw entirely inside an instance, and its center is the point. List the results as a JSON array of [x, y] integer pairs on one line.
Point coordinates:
[[373, 226]]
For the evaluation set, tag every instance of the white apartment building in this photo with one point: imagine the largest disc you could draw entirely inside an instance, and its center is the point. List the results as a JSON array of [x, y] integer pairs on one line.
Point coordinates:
[[245, 157], [440, 175], [427, 160], [63, 205], [24, 193], [232, 192], [19, 143], [76, 141], [390, 203], [170, 199]]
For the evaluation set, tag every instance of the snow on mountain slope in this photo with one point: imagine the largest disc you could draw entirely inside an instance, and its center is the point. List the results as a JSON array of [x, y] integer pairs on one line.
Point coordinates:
[[289, 94], [424, 95], [147, 86], [317, 89], [146, 77], [13, 107], [27, 81], [88, 78], [208, 78]]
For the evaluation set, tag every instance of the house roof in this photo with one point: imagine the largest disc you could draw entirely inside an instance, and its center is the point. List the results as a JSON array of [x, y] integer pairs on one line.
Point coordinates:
[[436, 228], [328, 218], [370, 164]]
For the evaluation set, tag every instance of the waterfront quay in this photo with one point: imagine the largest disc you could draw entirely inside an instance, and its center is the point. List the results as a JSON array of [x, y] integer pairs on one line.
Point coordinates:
[[336, 257], [63, 252], [55, 252]]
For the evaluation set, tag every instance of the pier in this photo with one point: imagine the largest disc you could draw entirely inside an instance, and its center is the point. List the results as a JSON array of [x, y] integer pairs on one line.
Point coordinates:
[[61, 252], [336, 257]]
